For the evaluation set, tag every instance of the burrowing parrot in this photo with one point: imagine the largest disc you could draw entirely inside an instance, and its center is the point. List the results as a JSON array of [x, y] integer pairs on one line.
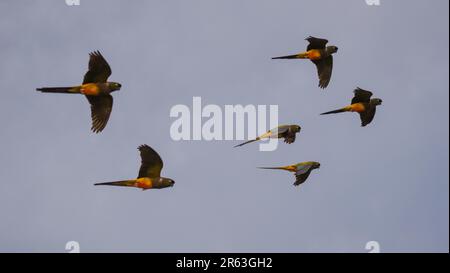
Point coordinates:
[[320, 55], [301, 170], [149, 174], [287, 132], [96, 88], [362, 104]]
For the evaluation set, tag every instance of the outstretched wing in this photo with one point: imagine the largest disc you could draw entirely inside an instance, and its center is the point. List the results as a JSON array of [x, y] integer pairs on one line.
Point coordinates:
[[289, 137], [151, 164], [101, 107], [368, 115], [99, 69], [316, 43], [302, 173], [324, 70], [361, 95]]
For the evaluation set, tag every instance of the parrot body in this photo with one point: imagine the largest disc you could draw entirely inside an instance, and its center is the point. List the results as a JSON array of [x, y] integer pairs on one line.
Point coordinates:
[[301, 170], [88, 89], [149, 174], [144, 183], [313, 54], [361, 104], [288, 132], [96, 88], [320, 55]]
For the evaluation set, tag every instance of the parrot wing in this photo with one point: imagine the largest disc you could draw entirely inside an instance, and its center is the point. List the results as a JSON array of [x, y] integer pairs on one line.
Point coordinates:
[[289, 137], [302, 173], [361, 95], [279, 131], [301, 178], [303, 168], [368, 115], [151, 162], [316, 43], [324, 70], [99, 69], [101, 107]]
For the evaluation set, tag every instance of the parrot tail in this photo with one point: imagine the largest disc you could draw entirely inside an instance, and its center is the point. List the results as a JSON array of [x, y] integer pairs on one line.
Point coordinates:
[[123, 183], [296, 56], [250, 141], [336, 111], [288, 168], [64, 90]]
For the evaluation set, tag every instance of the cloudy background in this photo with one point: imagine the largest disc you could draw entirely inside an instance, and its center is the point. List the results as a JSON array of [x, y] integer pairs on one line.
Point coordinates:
[[388, 182]]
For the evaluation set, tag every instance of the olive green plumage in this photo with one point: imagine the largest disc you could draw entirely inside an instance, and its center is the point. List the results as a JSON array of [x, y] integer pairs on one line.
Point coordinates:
[[287, 132], [301, 170]]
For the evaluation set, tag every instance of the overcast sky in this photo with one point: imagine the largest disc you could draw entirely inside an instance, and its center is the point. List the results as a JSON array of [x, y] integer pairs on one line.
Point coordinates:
[[387, 182]]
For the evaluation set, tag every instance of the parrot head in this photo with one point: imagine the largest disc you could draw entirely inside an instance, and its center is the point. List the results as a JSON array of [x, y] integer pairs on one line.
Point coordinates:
[[113, 86], [296, 128], [376, 101], [331, 49], [315, 165], [167, 182]]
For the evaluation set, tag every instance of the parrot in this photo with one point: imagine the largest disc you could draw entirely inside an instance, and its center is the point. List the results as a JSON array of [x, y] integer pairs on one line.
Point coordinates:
[[96, 88], [362, 104], [320, 55], [301, 170], [149, 176], [287, 132]]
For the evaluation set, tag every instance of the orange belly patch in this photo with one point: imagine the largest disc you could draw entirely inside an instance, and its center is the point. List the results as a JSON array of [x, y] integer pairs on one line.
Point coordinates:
[[291, 168], [358, 107], [314, 54], [144, 183], [90, 89]]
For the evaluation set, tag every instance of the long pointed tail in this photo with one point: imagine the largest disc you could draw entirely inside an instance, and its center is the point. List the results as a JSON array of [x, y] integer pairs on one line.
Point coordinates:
[[336, 111], [250, 141], [296, 56], [275, 168], [64, 90], [123, 183]]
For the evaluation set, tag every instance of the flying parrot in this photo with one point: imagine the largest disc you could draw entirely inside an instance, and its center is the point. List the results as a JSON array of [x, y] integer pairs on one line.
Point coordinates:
[[320, 55], [287, 132], [96, 88], [301, 170], [149, 174], [362, 104]]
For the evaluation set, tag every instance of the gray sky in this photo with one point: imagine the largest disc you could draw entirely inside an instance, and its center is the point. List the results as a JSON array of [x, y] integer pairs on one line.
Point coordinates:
[[387, 182]]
